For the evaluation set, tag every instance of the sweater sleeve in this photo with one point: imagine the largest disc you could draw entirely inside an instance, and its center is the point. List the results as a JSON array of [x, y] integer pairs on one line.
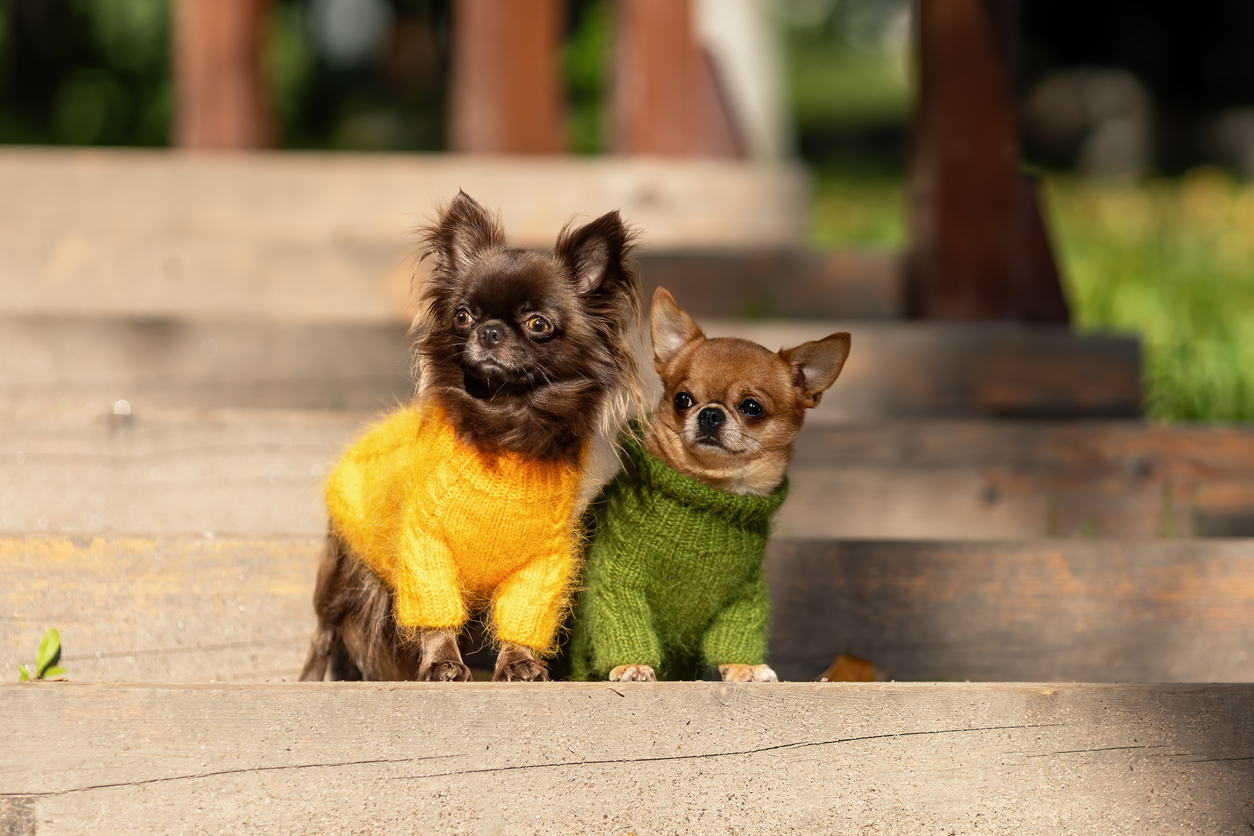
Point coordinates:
[[617, 614], [427, 588], [529, 603], [738, 633]]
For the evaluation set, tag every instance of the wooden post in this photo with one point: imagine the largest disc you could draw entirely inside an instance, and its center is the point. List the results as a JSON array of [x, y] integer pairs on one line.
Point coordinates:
[[505, 95], [221, 98], [979, 248], [666, 100]]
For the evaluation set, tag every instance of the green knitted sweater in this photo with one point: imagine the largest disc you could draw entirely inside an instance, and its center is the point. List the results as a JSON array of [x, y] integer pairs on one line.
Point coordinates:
[[674, 574]]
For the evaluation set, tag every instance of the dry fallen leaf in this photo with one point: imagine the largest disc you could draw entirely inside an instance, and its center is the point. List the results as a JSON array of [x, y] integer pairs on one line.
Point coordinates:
[[849, 668]]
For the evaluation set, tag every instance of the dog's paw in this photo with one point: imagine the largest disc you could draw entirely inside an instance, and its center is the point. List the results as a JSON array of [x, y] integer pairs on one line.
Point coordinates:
[[523, 670], [633, 673], [516, 663], [447, 671], [747, 673]]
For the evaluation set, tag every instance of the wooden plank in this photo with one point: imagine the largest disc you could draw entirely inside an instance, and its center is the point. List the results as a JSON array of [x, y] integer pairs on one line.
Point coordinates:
[[1069, 610], [894, 370], [137, 609], [666, 99], [237, 609], [221, 93], [1005, 480], [505, 93], [259, 472], [863, 284], [315, 236], [951, 370], [979, 249], [85, 474], [642, 758]]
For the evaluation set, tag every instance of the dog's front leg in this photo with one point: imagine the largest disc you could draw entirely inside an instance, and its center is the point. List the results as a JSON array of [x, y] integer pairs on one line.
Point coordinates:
[[516, 663], [441, 660]]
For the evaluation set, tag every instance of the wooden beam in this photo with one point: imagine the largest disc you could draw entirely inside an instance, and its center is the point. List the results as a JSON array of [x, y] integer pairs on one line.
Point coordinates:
[[309, 235], [505, 93], [257, 472], [666, 100], [1003, 480], [895, 370], [1061, 610], [979, 248], [221, 97], [238, 609], [642, 758]]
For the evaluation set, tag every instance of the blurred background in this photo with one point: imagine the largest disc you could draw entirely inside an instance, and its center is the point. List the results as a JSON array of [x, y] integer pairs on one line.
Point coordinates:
[[1139, 116]]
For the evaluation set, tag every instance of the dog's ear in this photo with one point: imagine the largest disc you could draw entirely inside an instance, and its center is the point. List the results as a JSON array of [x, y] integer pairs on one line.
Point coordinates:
[[595, 251], [816, 365], [464, 232], [671, 328]]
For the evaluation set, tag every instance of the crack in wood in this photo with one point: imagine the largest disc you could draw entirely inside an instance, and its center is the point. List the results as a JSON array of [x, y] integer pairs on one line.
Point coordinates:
[[709, 755], [760, 750], [1102, 749], [219, 773]]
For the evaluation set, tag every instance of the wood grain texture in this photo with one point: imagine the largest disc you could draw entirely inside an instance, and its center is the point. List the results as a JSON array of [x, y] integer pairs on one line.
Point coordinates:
[[641, 758], [894, 369], [312, 236], [260, 472], [1084, 611], [137, 609], [836, 284], [237, 609], [1002, 480]]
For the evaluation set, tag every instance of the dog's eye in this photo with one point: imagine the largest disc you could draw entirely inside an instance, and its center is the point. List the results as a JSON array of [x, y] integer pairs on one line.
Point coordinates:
[[538, 325], [682, 401], [463, 319], [751, 408]]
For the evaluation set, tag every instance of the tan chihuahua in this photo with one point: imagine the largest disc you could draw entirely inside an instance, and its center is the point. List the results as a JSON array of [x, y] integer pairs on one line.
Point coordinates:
[[674, 583], [731, 408]]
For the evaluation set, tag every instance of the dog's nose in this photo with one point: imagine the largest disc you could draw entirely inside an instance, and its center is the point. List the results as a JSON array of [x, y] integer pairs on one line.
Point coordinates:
[[710, 417], [491, 335]]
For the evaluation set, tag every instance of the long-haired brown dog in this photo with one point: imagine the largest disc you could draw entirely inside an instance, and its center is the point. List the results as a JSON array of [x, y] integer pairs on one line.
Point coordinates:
[[464, 503]]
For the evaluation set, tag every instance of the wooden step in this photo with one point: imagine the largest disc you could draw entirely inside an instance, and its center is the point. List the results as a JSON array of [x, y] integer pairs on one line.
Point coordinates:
[[894, 369], [82, 470], [1015, 479], [235, 609], [317, 237], [632, 758], [311, 236]]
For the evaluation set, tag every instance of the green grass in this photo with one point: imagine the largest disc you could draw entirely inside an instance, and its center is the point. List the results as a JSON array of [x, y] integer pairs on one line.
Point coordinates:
[[1171, 260]]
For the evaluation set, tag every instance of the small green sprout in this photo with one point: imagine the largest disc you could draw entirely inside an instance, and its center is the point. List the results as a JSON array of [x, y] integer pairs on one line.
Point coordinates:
[[46, 659]]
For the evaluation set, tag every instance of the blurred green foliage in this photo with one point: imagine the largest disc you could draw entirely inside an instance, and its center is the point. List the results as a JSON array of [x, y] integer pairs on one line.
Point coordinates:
[[848, 82], [1170, 259], [84, 72], [585, 68], [98, 72]]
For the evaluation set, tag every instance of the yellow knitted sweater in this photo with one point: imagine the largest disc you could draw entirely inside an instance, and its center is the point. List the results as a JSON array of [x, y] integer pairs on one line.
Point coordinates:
[[447, 528]]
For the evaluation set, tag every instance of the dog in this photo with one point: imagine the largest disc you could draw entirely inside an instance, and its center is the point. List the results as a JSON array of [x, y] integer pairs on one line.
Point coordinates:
[[463, 504], [673, 580]]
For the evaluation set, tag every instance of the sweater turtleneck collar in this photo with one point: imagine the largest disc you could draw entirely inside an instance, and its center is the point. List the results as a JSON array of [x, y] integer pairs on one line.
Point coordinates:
[[740, 509]]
